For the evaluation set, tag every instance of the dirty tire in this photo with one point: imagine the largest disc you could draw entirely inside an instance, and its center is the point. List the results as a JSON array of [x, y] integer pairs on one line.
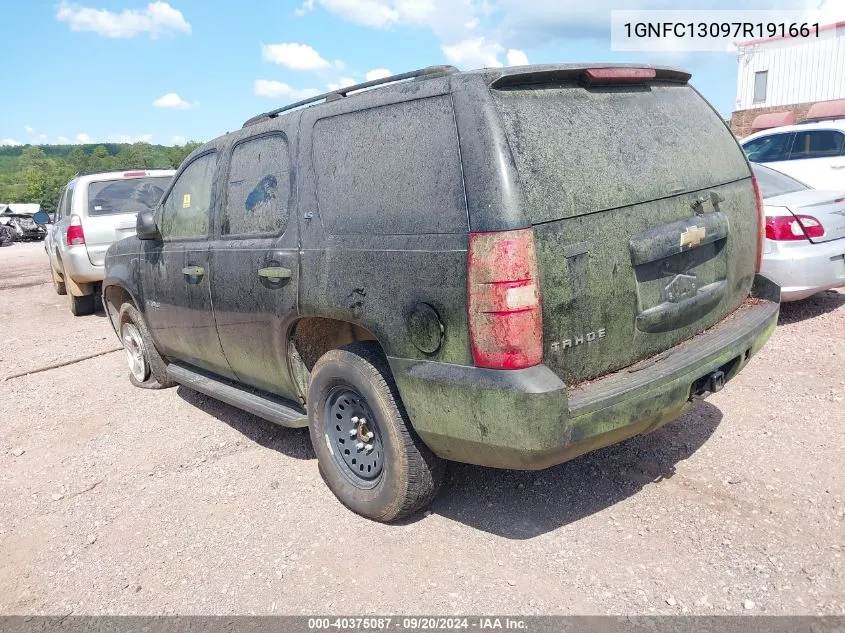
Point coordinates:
[[59, 286], [410, 475], [157, 376], [81, 306]]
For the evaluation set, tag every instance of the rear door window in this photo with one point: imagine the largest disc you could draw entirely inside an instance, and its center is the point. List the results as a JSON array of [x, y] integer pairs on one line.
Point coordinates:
[[773, 183], [391, 170], [186, 210], [258, 190], [817, 144], [583, 150], [125, 195], [769, 149]]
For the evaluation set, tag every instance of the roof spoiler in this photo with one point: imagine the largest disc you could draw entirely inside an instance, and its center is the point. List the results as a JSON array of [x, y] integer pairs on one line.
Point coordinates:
[[599, 75]]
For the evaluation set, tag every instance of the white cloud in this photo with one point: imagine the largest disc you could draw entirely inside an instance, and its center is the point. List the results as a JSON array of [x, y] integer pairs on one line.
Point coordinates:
[[307, 6], [154, 20], [42, 137], [178, 140], [292, 55], [365, 12], [10, 141], [63, 140], [28, 129], [174, 102], [517, 57], [378, 73], [343, 82], [475, 52], [82, 137], [278, 90], [128, 138]]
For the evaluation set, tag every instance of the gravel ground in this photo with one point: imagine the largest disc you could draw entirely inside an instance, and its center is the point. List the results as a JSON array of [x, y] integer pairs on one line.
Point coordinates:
[[123, 501]]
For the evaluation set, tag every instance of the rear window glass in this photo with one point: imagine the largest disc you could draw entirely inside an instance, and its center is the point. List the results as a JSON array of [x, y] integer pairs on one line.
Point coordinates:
[[580, 150], [773, 183], [131, 195], [391, 170]]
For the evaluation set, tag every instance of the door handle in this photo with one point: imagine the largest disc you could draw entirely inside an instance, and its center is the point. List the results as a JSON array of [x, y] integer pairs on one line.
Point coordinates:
[[275, 273], [193, 271], [837, 166]]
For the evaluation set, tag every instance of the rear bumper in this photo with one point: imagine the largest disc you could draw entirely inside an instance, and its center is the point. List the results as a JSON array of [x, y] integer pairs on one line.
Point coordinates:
[[802, 269], [78, 267], [528, 419]]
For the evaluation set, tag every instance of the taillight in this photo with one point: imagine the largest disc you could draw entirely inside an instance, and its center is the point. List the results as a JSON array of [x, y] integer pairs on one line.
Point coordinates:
[[785, 228], [74, 231], [762, 222], [505, 318]]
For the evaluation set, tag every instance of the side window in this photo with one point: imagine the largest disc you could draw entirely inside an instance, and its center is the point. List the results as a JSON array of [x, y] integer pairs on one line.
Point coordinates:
[[60, 205], [391, 170], [68, 208], [258, 189], [185, 212], [817, 144], [768, 148]]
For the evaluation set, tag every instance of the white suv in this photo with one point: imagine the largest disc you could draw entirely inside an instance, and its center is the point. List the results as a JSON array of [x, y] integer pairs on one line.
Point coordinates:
[[94, 211], [813, 153]]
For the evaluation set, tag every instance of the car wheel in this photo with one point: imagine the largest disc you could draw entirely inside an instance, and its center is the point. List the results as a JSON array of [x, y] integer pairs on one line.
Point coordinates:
[[367, 450], [81, 306], [58, 286], [147, 368]]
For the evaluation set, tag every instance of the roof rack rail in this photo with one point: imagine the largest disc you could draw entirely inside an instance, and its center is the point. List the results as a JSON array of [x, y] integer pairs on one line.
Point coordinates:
[[423, 73]]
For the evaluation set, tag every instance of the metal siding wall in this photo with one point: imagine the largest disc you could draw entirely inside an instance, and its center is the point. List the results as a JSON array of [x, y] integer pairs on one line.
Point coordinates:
[[799, 72]]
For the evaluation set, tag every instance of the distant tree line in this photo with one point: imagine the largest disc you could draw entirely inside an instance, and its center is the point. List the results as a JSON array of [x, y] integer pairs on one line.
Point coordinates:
[[37, 173]]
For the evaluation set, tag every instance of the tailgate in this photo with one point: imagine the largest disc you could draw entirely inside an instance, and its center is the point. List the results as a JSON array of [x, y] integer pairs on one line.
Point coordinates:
[[113, 207], [103, 231], [644, 217]]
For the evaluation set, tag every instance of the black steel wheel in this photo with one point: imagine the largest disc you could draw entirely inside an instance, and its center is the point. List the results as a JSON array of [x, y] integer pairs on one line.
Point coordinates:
[[352, 430], [368, 452]]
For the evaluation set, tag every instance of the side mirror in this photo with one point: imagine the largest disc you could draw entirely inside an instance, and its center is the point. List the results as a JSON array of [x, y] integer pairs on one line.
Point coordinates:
[[41, 217], [145, 226]]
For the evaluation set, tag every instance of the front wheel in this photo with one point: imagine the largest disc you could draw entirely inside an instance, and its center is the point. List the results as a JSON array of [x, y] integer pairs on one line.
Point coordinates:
[[368, 452], [58, 286]]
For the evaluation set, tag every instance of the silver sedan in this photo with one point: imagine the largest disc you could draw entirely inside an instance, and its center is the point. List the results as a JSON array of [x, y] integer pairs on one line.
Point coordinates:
[[804, 249]]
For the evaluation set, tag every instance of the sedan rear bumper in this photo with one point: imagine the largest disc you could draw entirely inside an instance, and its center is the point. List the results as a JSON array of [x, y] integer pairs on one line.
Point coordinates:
[[802, 269]]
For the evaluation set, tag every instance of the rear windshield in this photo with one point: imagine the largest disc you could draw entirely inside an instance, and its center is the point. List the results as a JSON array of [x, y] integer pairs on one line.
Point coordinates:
[[580, 150], [130, 195], [773, 183]]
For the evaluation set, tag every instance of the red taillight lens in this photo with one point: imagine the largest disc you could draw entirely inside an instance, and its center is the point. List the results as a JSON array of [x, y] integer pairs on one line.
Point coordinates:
[[786, 228], [762, 223], [74, 231], [134, 174], [505, 319], [619, 75]]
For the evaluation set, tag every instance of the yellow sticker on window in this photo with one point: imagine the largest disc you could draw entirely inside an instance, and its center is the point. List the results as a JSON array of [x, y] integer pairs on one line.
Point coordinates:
[[186, 201]]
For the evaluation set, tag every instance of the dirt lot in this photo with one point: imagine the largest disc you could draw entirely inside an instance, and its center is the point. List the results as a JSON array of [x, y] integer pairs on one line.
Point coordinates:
[[124, 501]]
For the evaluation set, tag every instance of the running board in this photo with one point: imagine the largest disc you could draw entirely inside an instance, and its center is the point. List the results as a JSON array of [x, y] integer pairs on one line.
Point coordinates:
[[265, 406]]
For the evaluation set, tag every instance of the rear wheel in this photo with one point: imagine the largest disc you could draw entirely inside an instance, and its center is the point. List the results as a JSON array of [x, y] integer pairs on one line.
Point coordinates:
[[81, 306], [147, 369], [368, 453]]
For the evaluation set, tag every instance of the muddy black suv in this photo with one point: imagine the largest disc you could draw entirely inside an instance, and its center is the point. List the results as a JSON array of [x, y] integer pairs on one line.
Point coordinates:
[[507, 267]]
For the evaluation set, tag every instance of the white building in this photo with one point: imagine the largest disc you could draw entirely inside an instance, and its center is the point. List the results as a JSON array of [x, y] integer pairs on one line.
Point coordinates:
[[782, 77]]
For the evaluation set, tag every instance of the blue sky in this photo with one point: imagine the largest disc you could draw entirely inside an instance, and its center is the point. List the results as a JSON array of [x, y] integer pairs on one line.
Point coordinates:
[[124, 70]]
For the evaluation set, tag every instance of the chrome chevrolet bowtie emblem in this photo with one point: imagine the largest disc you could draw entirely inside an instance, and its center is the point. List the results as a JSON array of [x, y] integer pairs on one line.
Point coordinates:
[[693, 236]]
